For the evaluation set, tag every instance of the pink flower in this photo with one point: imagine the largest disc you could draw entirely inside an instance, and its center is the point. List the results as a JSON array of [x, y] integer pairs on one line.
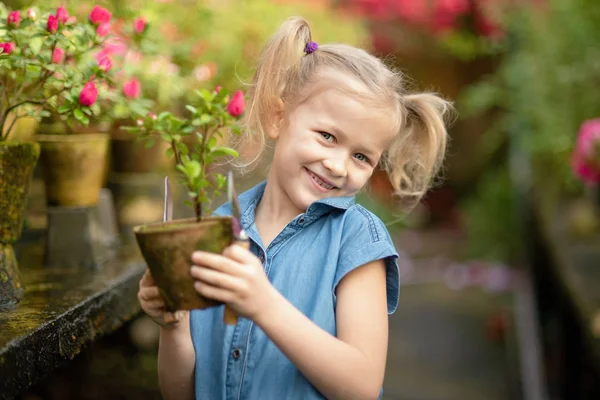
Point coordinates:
[[139, 25], [100, 15], [105, 64], [57, 55], [585, 159], [52, 23], [132, 88], [14, 19], [237, 104], [103, 29], [446, 13], [31, 14], [152, 116], [62, 15], [7, 47], [88, 95], [218, 89]]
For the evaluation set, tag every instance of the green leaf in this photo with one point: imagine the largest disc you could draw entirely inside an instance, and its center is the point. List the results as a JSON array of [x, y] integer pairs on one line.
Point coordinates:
[[206, 119], [169, 152], [192, 109], [78, 114], [149, 143], [224, 151], [193, 169], [211, 143], [182, 148]]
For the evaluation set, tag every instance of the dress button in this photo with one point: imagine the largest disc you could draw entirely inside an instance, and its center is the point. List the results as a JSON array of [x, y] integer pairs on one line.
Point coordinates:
[[236, 354], [301, 220], [262, 258]]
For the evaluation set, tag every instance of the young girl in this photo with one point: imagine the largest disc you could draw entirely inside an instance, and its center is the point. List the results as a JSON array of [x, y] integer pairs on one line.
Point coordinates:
[[315, 288]]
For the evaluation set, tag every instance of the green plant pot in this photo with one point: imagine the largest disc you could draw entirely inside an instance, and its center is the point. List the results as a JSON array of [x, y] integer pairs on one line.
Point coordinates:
[[74, 168], [17, 161], [167, 248]]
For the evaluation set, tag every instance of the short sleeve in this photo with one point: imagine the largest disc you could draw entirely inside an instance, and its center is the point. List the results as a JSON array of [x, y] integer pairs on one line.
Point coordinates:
[[366, 239]]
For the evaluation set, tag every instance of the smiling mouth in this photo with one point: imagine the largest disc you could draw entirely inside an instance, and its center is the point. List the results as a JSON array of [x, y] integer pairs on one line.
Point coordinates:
[[322, 183]]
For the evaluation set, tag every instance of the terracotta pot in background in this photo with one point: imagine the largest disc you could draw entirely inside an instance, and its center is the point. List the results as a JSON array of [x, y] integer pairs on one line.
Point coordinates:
[[129, 155], [17, 161], [167, 248], [73, 167]]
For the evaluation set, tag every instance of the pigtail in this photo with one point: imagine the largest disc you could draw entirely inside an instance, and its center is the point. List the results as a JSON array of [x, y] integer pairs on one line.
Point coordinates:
[[415, 158], [280, 63]]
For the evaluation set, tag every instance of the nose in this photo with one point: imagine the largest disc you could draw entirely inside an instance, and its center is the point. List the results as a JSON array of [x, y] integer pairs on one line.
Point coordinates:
[[336, 165]]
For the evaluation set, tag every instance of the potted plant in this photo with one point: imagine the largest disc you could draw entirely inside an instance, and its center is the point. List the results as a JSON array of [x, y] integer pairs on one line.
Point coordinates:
[[167, 246], [56, 67], [17, 160]]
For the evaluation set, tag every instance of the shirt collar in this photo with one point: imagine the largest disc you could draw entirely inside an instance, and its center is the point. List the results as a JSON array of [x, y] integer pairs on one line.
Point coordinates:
[[250, 199]]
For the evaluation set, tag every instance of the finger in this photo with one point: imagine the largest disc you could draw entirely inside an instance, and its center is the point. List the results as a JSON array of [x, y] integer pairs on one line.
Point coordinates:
[[147, 279], [153, 305], [239, 254], [149, 293], [215, 261], [215, 278], [213, 292]]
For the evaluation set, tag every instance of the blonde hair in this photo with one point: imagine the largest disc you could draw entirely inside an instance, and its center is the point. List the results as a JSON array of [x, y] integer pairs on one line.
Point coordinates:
[[284, 70]]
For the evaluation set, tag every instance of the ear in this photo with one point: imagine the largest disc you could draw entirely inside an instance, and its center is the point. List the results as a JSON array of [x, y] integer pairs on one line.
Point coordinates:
[[277, 120]]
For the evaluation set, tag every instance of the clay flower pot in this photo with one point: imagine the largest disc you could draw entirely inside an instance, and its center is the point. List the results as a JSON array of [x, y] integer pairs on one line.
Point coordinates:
[[129, 155], [17, 161], [73, 168], [167, 248]]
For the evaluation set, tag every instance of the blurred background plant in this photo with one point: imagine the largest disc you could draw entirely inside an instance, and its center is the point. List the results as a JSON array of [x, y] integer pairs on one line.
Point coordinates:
[[539, 96]]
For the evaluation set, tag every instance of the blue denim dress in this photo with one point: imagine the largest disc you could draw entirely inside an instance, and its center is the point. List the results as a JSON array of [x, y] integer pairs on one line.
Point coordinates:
[[305, 262]]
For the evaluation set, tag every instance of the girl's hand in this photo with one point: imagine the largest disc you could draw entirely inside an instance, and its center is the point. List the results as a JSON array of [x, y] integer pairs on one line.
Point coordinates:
[[236, 278], [153, 304]]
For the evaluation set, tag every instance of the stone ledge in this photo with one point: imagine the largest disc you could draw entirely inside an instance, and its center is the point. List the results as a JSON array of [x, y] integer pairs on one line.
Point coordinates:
[[62, 311]]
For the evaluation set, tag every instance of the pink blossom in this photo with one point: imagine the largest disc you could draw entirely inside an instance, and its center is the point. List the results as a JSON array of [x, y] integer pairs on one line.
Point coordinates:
[[132, 88], [100, 15], [14, 19], [218, 89], [139, 25], [105, 64], [585, 159], [57, 55], [7, 47], [237, 104], [103, 29], [88, 95], [52, 23], [62, 15], [152, 116], [31, 14], [446, 13], [115, 45]]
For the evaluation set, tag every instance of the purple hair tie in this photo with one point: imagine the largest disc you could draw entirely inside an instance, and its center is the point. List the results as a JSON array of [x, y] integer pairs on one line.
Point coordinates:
[[311, 47]]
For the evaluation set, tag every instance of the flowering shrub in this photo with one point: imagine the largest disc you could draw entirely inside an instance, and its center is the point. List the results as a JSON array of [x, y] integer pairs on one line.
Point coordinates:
[[45, 66], [464, 28], [586, 156], [209, 115]]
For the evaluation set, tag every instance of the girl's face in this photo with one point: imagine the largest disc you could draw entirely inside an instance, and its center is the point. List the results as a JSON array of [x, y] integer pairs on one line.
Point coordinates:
[[329, 146]]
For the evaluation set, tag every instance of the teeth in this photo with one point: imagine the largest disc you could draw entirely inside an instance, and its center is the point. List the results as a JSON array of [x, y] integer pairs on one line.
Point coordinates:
[[321, 182]]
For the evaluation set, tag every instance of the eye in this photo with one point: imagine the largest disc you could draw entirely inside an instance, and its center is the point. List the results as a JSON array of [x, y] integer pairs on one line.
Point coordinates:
[[327, 136], [361, 157]]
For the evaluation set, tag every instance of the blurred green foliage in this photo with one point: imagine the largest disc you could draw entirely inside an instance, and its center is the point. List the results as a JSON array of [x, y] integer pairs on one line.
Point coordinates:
[[545, 87], [547, 83]]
